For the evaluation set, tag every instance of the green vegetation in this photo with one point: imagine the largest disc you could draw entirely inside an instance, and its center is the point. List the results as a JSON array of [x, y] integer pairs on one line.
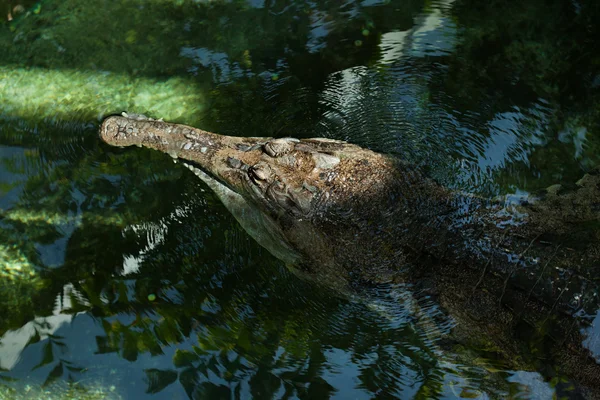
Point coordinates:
[[59, 392]]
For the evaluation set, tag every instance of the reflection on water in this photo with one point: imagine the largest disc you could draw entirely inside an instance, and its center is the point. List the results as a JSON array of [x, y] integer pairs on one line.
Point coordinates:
[[124, 277], [592, 342]]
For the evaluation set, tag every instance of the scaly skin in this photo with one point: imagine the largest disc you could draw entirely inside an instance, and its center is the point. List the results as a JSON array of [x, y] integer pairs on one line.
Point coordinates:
[[345, 215]]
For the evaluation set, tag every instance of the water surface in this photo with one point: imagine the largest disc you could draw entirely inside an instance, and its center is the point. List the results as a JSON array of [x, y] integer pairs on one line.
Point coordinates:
[[122, 276]]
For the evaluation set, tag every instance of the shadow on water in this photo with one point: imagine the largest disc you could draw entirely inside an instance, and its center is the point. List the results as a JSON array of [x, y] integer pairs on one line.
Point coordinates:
[[123, 274]]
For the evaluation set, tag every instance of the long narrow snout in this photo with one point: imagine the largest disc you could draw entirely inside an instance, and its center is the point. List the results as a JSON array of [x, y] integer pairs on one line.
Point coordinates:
[[222, 162], [211, 152], [176, 140]]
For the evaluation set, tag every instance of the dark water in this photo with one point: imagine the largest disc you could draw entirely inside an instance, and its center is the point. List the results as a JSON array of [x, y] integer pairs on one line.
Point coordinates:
[[122, 276]]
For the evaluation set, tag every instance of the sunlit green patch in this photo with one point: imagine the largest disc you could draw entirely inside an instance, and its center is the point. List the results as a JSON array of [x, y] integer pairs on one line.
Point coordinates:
[[59, 391], [36, 217], [14, 266], [39, 93], [19, 282]]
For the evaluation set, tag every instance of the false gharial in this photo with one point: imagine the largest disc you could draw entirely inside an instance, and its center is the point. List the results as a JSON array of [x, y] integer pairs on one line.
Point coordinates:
[[347, 216]]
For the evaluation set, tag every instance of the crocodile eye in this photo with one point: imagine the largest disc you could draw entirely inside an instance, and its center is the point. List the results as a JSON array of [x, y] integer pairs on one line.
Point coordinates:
[[279, 147], [259, 172]]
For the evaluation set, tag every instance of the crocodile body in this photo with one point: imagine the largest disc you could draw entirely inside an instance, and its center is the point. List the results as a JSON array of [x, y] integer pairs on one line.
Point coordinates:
[[345, 215]]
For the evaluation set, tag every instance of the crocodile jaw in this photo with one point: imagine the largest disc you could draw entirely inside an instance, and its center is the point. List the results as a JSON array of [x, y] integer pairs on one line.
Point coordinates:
[[258, 224], [206, 155]]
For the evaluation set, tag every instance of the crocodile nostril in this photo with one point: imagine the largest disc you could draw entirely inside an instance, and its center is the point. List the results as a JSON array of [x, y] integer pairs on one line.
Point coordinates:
[[234, 162]]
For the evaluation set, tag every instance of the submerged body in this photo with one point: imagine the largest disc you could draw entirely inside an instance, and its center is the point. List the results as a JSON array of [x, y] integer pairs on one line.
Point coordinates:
[[345, 215]]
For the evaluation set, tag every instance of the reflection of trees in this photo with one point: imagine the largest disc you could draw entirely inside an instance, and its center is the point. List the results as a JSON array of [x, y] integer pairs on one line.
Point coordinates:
[[545, 47], [517, 53], [259, 60], [268, 338], [147, 37]]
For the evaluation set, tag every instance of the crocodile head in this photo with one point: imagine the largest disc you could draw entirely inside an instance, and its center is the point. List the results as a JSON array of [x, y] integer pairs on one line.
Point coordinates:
[[273, 187]]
